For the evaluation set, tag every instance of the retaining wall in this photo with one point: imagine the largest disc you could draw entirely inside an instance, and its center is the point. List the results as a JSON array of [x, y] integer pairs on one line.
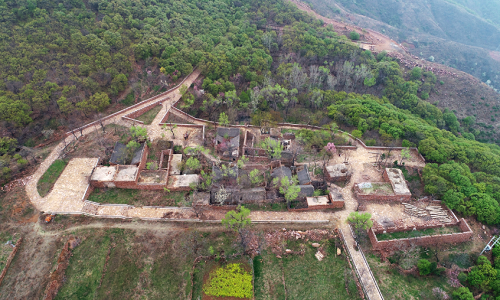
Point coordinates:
[[451, 238]]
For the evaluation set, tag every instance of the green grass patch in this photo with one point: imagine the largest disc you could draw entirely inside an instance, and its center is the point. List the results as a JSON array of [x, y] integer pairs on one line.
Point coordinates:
[[50, 176], [417, 233], [171, 276], [85, 268], [150, 115], [114, 196], [137, 197], [305, 277], [395, 285], [123, 267]]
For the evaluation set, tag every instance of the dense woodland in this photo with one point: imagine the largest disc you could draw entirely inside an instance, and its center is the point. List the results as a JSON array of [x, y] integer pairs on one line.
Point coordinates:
[[66, 61]]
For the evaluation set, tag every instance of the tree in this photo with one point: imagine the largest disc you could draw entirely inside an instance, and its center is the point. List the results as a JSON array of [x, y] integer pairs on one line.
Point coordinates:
[[96, 103], [360, 221], [7, 145], [424, 267], [288, 187], [416, 73], [272, 147], [171, 127], [405, 154], [186, 97], [255, 177], [193, 164], [221, 195], [119, 83], [268, 39], [223, 119], [64, 105], [482, 274], [357, 133], [205, 182], [139, 133], [462, 293], [237, 220], [354, 35]]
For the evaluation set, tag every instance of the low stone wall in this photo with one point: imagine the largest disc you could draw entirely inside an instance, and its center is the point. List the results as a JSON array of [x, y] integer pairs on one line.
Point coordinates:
[[451, 238]]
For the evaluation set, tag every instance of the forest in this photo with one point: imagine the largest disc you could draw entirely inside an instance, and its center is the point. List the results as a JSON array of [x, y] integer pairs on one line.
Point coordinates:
[[67, 61]]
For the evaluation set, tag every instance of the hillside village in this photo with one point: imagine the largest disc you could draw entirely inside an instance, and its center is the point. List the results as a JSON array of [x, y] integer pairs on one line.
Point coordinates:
[[219, 167], [207, 190]]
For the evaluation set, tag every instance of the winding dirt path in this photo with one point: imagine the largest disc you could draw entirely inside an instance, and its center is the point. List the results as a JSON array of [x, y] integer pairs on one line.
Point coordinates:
[[41, 203]]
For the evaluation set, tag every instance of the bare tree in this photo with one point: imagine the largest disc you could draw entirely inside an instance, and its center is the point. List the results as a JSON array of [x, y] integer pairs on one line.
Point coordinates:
[[297, 77], [331, 82]]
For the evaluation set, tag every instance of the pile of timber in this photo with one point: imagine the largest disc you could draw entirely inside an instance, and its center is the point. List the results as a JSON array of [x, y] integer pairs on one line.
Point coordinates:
[[438, 213], [415, 211]]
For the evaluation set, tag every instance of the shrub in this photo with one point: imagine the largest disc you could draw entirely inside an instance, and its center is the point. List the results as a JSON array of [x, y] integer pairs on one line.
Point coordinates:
[[7, 145], [424, 267], [481, 260], [416, 73], [354, 35], [357, 133], [462, 293], [371, 142], [407, 143], [462, 277], [229, 281]]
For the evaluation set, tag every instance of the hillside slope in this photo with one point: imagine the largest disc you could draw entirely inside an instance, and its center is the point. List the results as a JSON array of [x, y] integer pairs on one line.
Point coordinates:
[[457, 91], [432, 30]]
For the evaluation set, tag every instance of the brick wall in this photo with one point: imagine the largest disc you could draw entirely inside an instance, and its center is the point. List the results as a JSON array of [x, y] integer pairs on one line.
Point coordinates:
[[144, 159], [451, 238]]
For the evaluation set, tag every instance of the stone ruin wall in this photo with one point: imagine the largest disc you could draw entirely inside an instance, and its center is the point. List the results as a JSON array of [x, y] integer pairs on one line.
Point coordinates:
[[374, 197]]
